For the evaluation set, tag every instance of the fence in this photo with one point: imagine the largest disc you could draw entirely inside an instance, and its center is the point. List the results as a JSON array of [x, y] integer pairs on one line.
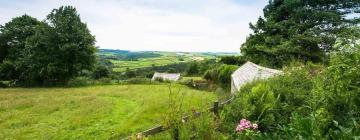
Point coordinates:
[[160, 128]]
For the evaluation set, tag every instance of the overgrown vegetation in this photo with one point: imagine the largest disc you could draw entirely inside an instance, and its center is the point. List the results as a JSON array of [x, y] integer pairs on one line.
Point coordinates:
[[308, 101]]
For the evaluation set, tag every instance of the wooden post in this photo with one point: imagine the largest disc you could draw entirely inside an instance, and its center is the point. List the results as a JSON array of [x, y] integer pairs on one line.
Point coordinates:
[[216, 108]]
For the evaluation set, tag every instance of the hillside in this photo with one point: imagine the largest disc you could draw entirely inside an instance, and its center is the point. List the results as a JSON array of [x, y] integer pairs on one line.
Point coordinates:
[[123, 59]]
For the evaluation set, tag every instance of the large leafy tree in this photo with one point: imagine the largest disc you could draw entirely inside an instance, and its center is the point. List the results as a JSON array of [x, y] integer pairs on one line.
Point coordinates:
[[13, 37], [60, 49], [298, 29]]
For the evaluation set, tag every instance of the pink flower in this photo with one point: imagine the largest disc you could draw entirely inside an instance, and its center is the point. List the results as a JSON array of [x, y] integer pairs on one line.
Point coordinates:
[[239, 128], [245, 124]]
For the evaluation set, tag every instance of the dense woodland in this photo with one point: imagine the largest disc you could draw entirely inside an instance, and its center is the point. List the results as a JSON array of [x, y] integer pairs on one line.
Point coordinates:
[[315, 42]]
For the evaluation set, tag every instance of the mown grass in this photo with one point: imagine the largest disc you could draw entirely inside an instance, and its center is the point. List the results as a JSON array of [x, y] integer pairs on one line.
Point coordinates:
[[98, 112]]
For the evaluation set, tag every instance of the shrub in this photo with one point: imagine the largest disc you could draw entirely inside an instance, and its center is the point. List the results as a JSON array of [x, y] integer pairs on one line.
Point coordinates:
[[80, 81], [221, 75], [104, 81], [307, 102], [192, 69], [224, 75], [233, 60], [129, 73], [271, 102], [3, 85], [159, 79], [188, 82], [171, 70], [101, 72]]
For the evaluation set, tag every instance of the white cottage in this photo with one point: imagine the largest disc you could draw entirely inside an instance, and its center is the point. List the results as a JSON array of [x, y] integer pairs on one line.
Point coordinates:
[[249, 72], [166, 76]]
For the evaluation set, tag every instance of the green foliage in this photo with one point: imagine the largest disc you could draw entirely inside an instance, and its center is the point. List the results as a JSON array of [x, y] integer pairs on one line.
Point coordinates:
[[101, 72], [80, 81], [173, 118], [192, 69], [306, 102], [171, 70], [46, 53], [105, 80], [224, 75], [61, 48], [159, 79], [203, 127], [138, 81], [220, 74], [342, 83], [129, 73], [294, 29], [232, 60], [271, 102], [13, 37]]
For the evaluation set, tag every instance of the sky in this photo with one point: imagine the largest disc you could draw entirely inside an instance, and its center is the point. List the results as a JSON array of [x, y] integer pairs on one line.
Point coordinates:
[[154, 25]]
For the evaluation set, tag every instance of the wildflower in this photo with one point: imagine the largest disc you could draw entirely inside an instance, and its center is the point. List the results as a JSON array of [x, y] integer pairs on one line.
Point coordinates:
[[254, 126], [245, 124]]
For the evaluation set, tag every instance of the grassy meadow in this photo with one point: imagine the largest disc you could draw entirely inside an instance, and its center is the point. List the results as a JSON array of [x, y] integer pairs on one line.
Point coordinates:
[[97, 112]]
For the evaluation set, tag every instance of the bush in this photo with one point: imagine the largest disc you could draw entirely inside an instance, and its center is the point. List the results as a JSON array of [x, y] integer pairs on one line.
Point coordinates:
[[193, 69], [232, 60], [129, 73], [272, 102], [197, 84], [3, 85], [171, 70], [221, 75], [80, 81], [104, 81], [159, 79], [101, 72], [307, 102]]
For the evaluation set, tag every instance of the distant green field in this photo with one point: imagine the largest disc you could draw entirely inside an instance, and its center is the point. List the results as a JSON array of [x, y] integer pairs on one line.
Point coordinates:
[[166, 58], [121, 66], [99, 112]]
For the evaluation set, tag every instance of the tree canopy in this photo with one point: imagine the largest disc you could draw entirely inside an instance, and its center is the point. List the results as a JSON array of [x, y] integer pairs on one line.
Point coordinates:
[[298, 30], [13, 37], [53, 51]]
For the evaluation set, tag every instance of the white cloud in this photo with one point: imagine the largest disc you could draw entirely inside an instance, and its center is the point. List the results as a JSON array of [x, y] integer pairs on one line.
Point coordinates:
[[179, 25]]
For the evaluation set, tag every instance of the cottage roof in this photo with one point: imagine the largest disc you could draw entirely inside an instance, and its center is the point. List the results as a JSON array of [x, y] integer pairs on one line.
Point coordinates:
[[249, 72], [166, 76]]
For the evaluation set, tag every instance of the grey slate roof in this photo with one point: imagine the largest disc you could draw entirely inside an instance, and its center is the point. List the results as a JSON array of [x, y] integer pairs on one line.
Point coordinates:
[[166, 76], [249, 72]]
